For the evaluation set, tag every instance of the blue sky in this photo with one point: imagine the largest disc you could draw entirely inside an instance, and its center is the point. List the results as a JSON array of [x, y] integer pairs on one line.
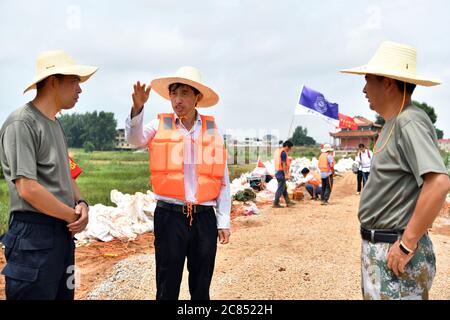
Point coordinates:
[[255, 54]]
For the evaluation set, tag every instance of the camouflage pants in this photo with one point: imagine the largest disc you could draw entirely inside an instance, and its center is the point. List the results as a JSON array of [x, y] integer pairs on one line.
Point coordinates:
[[379, 282]]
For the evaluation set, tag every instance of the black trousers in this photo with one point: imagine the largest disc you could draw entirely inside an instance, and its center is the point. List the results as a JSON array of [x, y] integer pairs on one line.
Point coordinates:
[[327, 185], [362, 178], [176, 240], [40, 256]]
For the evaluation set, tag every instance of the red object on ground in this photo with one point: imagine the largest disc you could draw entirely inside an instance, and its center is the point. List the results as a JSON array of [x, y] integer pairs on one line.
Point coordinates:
[[260, 164]]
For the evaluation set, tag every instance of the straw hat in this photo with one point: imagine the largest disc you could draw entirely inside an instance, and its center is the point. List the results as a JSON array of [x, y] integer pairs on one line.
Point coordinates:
[[326, 148], [58, 62], [396, 61], [190, 76]]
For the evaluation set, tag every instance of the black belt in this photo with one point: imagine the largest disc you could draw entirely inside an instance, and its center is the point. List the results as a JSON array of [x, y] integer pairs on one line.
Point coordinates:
[[377, 235], [183, 208], [36, 217]]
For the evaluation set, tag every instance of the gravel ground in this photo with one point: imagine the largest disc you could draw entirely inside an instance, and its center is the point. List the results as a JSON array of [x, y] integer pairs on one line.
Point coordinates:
[[307, 252]]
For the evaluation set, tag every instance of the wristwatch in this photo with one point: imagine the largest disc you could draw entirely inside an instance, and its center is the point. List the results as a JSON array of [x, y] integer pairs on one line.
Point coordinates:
[[405, 249], [82, 201]]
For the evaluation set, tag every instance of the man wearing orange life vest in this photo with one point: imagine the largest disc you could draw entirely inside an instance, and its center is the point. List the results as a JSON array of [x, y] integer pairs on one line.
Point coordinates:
[[189, 177], [326, 167], [282, 167]]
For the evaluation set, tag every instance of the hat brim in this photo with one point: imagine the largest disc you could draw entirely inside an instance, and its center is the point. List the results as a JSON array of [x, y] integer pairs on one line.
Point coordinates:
[[326, 150], [82, 71], [409, 78], [161, 86]]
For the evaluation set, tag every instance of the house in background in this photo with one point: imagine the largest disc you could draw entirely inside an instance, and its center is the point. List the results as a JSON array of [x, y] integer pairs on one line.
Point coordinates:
[[348, 139], [121, 143]]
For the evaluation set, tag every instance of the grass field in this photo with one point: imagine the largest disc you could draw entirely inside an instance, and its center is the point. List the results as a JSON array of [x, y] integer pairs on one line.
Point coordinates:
[[127, 172], [104, 171]]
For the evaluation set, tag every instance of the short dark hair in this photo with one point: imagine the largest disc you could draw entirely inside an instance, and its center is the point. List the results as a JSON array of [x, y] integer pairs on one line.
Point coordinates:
[[41, 83], [288, 144], [305, 170], [176, 85], [361, 145], [400, 84], [409, 86]]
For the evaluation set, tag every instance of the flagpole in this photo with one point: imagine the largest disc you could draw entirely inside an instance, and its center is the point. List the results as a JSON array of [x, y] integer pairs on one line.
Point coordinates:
[[290, 127], [293, 116]]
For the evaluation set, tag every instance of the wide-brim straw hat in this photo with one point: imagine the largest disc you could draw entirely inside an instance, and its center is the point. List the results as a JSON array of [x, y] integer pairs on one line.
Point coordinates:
[[50, 63], [396, 61], [326, 148], [190, 76]]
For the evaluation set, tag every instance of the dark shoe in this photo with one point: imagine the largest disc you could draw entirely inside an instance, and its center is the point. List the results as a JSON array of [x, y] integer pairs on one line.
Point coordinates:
[[277, 206], [324, 203], [290, 204]]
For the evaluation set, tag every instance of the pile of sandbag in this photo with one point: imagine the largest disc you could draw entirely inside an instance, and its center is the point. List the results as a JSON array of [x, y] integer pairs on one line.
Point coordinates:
[[132, 216], [344, 165]]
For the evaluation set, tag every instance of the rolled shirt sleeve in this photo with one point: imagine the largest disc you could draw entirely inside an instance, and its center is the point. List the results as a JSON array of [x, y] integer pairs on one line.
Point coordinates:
[[136, 133], [223, 207], [223, 201]]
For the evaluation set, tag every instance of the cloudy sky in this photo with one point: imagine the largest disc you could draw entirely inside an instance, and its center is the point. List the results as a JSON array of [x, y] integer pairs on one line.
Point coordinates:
[[256, 54]]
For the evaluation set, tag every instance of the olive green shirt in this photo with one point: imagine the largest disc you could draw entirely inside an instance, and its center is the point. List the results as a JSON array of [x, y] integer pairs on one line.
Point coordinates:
[[396, 176], [34, 147]]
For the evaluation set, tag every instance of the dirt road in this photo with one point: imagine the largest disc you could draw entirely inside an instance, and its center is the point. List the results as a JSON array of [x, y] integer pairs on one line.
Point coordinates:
[[307, 252]]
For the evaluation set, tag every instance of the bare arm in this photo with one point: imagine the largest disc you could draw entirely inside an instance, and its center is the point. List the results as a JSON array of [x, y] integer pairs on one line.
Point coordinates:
[[434, 190], [81, 210], [286, 173], [76, 190], [430, 201], [41, 199]]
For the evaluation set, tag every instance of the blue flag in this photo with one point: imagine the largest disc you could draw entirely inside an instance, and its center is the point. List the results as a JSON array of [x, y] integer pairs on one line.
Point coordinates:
[[314, 103]]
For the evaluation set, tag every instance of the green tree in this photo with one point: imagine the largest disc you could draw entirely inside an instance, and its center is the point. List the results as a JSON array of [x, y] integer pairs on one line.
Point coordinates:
[[301, 138], [97, 128], [88, 147], [1, 173], [429, 110], [432, 114], [379, 120]]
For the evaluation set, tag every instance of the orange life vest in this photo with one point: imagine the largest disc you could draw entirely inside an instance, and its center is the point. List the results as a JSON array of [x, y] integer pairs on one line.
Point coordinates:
[[316, 181], [277, 159], [324, 166], [167, 161]]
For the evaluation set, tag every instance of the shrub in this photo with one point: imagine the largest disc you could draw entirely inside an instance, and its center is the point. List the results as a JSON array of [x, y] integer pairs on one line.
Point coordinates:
[[88, 146]]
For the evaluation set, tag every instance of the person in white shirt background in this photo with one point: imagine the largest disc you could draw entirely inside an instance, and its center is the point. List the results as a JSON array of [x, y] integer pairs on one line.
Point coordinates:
[[364, 160]]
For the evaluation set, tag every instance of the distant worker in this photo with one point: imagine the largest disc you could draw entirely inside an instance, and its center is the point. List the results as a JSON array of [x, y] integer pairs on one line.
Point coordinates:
[[363, 159], [282, 173], [326, 167], [312, 182]]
